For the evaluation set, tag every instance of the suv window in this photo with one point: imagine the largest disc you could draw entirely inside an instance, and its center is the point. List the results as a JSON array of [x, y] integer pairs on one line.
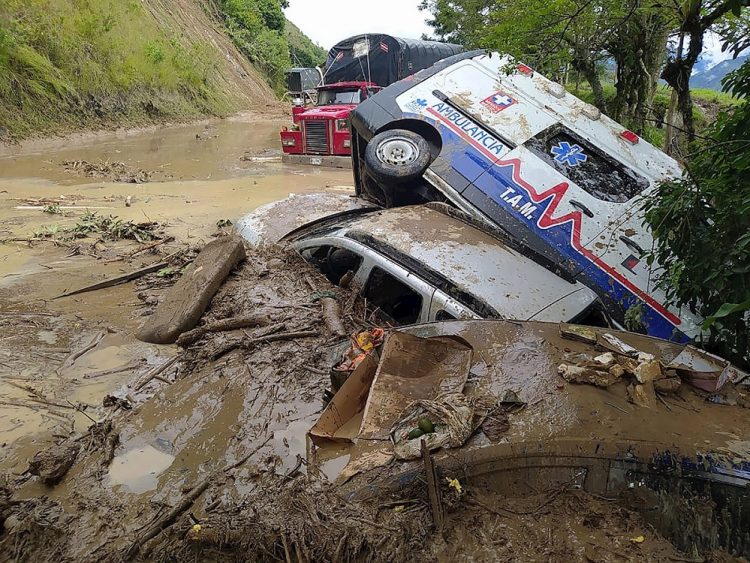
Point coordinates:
[[590, 168], [395, 300], [333, 261], [444, 316]]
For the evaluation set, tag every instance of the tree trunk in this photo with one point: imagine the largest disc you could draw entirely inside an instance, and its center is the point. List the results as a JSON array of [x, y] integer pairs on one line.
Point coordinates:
[[673, 142], [638, 50], [592, 77]]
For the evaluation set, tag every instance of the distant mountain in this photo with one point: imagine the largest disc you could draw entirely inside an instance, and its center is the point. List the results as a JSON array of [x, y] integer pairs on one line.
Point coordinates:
[[711, 78]]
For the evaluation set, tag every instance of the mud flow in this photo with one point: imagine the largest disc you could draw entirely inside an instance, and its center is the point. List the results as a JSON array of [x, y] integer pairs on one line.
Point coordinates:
[[114, 449]]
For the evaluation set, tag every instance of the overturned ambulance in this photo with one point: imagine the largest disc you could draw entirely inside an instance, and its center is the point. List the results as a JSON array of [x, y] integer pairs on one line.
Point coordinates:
[[560, 181]]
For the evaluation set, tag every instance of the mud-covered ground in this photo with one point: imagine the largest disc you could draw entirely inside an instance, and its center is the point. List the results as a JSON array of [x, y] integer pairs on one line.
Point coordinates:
[[207, 459]]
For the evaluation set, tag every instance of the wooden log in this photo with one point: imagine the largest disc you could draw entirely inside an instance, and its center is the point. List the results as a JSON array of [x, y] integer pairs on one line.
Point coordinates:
[[223, 325], [332, 316], [187, 300]]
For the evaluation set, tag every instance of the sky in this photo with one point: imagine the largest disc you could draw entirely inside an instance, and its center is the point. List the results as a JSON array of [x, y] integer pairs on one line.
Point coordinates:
[[327, 21]]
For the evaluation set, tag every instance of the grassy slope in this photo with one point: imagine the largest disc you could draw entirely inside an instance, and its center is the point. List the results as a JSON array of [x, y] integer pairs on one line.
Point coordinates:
[[68, 64]]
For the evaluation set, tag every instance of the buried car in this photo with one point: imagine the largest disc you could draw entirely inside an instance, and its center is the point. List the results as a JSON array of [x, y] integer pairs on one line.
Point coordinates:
[[516, 151], [423, 263]]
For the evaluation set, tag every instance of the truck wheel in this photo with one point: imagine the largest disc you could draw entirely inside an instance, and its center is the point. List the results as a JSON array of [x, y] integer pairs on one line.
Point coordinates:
[[397, 156]]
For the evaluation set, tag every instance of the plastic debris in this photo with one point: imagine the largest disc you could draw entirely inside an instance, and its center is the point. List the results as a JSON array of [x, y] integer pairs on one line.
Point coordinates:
[[454, 416], [454, 484]]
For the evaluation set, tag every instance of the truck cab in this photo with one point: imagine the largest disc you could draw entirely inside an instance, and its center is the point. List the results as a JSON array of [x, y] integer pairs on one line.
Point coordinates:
[[320, 134]]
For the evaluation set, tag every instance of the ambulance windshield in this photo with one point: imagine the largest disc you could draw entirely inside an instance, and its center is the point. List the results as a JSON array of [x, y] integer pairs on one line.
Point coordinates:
[[587, 166]]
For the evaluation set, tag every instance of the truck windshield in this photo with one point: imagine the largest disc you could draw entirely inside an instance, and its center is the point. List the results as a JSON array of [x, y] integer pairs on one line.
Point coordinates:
[[330, 97]]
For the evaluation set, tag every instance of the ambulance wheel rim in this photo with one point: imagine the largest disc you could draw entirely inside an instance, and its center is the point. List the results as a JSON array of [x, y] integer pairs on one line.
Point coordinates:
[[398, 151]]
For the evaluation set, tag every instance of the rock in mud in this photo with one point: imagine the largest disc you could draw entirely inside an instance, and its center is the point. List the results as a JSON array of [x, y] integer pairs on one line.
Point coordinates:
[[187, 300], [577, 374], [642, 395], [52, 464], [668, 385], [647, 371]]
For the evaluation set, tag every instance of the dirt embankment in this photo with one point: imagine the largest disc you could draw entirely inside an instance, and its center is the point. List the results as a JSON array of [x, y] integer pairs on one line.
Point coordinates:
[[72, 66]]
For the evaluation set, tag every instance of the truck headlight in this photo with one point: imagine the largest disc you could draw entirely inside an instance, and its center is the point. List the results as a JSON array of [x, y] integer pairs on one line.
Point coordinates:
[[342, 125]]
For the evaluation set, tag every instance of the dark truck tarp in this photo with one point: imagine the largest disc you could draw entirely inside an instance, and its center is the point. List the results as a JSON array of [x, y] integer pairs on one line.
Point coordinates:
[[383, 59]]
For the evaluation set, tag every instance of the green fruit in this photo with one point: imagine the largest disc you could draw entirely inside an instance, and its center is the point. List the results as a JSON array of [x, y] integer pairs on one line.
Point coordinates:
[[425, 425], [416, 433]]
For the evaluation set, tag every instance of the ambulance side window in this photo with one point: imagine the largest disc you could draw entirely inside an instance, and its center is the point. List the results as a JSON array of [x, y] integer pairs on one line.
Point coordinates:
[[590, 168]]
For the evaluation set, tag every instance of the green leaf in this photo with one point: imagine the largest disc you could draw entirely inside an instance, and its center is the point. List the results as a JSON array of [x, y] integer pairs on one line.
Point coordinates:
[[725, 310]]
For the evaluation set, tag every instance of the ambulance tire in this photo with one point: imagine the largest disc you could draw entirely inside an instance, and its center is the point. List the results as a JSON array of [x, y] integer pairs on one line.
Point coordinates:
[[397, 156]]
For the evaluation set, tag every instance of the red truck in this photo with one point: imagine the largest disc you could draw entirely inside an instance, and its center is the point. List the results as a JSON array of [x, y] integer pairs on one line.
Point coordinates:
[[356, 69]]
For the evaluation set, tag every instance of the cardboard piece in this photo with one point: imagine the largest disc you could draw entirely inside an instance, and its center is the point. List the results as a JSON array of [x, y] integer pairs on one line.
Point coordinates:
[[413, 368], [371, 401], [342, 417]]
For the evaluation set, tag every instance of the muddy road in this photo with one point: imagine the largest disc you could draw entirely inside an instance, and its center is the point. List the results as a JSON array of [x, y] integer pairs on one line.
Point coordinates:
[[200, 452], [195, 176]]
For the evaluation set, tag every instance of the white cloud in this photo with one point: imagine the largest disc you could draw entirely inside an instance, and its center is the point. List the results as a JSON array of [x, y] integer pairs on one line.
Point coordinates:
[[712, 50], [327, 21]]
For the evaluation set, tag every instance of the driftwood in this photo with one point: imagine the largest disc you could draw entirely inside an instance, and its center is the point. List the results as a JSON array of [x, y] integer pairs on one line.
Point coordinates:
[[223, 325], [155, 373], [143, 248], [433, 488], [170, 517], [70, 360], [250, 343], [112, 371], [118, 280], [332, 316]]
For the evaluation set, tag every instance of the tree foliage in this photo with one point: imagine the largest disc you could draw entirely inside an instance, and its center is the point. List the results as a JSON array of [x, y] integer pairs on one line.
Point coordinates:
[[695, 18], [702, 228], [556, 36]]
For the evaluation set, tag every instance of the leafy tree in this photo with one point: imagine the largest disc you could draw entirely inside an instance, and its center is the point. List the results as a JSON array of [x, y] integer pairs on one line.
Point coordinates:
[[556, 35], [696, 17], [702, 228], [257, 28]]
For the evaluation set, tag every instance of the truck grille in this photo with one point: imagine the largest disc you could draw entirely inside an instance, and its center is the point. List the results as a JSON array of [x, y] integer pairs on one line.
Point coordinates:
[[316, 137]]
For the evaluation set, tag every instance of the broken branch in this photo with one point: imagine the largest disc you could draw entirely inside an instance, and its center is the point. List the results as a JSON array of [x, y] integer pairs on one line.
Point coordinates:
[[223, 325], [121, 279], [150, 376]]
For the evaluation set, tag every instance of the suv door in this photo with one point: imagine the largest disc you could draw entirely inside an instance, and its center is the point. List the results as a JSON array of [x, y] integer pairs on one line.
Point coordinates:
[[399, 296]]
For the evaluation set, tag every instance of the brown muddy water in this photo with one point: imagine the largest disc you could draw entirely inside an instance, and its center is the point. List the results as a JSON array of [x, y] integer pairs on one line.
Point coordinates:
[[198, 175]]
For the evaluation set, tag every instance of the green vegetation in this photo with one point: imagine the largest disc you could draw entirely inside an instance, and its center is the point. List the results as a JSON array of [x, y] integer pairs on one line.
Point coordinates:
[[702, 228], [654, 130], [263, 34], [107, 228], [303, 52], [71, 63], [67, 64]]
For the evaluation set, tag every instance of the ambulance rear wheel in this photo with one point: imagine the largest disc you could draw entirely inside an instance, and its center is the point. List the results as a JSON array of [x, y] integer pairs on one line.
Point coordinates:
[[397, 156]]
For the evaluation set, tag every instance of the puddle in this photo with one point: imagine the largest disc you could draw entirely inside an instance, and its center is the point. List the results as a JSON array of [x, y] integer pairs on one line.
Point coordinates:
[[138, 469]]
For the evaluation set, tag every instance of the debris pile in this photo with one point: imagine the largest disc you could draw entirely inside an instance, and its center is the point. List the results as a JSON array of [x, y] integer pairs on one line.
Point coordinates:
[[115, 171], [646, 377]]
